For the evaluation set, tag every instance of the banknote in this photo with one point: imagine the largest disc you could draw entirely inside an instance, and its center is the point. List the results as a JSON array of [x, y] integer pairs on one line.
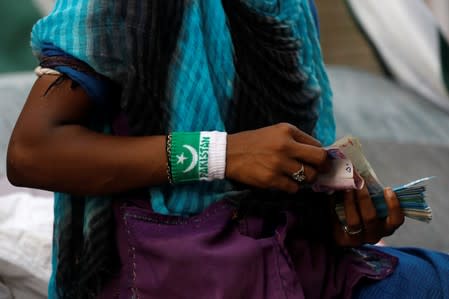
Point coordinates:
[[352, 149], [351, 170], [341, 176], [411, 198]]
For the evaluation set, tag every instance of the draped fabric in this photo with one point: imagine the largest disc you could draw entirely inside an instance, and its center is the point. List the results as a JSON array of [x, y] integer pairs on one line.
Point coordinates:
[[181, 66], [392, 26]]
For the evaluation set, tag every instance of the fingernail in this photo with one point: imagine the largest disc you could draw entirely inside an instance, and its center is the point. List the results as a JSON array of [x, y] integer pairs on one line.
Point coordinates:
[[388, 191]]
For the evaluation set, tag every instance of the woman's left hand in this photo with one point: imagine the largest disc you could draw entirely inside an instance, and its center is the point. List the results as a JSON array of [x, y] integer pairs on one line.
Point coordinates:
[[362, 224]]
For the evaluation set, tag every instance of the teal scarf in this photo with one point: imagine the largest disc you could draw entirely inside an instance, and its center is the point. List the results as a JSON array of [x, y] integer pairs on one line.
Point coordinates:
[[184, 66]]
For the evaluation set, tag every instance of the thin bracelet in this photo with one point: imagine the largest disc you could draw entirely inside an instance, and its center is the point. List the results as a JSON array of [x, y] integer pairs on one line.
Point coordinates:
[[168, 152]]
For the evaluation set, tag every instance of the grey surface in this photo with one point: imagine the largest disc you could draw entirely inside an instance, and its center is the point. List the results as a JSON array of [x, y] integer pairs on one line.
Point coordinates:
[[395, 164], [372, 107], [404, 138]]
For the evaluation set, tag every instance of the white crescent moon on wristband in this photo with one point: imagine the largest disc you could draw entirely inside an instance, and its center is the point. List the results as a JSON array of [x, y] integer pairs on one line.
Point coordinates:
[[194, 158]]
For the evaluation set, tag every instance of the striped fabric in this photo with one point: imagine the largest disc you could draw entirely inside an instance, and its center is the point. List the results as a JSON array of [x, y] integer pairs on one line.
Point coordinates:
[[183, 66], [204, 38]]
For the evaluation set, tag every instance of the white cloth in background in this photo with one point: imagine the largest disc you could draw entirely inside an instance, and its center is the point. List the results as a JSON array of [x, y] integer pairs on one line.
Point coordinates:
[[406, 34], [26, 222]]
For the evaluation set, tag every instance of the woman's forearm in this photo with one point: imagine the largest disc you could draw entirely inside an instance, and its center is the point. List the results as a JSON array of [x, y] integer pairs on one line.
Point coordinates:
[[76, 160], [51, 149]]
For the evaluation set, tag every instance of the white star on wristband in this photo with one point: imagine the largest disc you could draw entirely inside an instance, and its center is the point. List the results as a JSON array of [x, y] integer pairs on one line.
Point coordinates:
[[181, 158]]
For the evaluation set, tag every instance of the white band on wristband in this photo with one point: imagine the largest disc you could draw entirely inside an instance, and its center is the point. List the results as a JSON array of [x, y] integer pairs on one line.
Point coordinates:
[[217, 155]]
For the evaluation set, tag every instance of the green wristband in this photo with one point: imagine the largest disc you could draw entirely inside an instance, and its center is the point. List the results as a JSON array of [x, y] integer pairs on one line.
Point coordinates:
[[187, 158], [197, 156]]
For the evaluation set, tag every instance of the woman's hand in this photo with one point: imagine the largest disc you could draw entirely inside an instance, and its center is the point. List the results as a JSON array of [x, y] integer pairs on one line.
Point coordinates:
[[363, 226], [267, 157]]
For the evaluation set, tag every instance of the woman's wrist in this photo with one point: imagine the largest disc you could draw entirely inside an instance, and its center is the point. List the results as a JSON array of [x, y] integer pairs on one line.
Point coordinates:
[[196, 156]]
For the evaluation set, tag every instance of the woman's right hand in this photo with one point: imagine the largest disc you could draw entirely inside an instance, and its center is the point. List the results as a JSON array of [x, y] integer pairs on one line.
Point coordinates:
[[267, 157]]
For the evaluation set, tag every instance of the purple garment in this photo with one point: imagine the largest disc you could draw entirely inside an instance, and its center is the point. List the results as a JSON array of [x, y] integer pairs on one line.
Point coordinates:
[[213, 255]]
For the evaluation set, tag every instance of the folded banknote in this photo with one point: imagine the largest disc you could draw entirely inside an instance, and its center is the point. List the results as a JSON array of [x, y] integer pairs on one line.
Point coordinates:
[[351, 170], [341, 176]]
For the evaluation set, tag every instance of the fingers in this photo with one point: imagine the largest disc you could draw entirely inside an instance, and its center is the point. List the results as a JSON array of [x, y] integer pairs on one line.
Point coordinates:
[[353, 220], [268, 157], [341, 237], [303, 147], [301, 137], [355, 233], [367, 209], [291, 166], [395, 216], [361, 213], [315, 156], [371, 224], [362, 225]]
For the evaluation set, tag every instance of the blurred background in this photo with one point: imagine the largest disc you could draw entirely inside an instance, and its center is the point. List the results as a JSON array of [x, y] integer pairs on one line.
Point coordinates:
[[338, 30], [17, 20], [388, 63], [337, 27]]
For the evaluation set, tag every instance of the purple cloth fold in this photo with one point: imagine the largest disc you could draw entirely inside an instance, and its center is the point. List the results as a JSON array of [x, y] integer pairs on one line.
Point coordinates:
[[213, 255]]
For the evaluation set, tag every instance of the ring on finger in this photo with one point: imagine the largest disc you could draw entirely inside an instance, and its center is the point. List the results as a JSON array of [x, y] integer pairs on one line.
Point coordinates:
[[299, 176], [352, 232]]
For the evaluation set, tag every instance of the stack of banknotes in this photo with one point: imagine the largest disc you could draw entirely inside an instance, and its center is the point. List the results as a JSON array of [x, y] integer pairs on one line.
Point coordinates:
[[351, 170]]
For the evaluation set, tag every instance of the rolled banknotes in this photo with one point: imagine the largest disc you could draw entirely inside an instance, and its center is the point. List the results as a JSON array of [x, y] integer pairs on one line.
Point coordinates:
[[351, 170], [411, 198]]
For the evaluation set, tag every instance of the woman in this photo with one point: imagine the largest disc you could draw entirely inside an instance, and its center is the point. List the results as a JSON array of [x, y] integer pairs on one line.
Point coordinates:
[[178, 137]]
